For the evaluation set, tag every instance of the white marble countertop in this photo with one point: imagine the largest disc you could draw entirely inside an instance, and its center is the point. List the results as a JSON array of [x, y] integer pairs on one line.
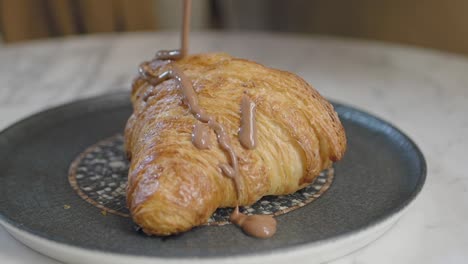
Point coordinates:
[[423, 92]]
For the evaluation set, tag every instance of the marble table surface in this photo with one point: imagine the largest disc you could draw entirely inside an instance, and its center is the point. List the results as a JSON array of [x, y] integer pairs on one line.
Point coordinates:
[[423, 92]]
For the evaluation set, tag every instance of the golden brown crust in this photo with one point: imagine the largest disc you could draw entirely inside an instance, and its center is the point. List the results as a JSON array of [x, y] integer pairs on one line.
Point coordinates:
[[173, 186]]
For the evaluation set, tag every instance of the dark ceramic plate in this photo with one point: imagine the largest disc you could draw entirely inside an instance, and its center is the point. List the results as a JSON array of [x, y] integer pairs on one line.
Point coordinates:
[[381, 173]]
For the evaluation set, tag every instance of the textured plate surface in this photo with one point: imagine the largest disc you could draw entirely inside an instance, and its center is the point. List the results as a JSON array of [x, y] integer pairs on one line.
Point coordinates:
[[99, 176], [380, 175]]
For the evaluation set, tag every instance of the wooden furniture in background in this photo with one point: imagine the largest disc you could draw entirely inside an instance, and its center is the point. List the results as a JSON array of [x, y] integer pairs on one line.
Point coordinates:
[[31, 19], [428, 23]]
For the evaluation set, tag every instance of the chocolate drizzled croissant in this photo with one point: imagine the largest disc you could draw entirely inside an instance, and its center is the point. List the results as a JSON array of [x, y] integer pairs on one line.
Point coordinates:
[[174, 186]]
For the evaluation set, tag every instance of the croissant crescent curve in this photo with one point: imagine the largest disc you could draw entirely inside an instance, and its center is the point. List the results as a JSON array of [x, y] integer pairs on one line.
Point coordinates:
[[174, 186]]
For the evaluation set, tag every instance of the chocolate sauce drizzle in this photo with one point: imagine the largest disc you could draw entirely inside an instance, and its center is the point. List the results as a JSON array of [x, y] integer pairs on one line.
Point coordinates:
[[252, 225], [248, 129], [171, 71]]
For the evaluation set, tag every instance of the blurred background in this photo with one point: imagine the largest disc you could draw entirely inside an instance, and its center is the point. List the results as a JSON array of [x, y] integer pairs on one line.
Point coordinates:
[[434, 24]]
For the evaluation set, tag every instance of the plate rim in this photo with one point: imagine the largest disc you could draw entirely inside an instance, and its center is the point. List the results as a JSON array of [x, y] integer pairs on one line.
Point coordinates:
[[395, 212], [333, 249]]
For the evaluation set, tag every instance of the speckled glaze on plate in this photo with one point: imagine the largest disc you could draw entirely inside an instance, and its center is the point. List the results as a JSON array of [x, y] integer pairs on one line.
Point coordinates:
[[99, 176], [381, 173]]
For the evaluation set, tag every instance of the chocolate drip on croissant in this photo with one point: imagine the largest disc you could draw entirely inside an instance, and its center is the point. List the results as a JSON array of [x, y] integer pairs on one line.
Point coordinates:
[[248, 129], [200, 136]]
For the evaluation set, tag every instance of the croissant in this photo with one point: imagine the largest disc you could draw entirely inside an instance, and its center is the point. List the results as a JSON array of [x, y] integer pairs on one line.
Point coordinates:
[[174, 185]]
